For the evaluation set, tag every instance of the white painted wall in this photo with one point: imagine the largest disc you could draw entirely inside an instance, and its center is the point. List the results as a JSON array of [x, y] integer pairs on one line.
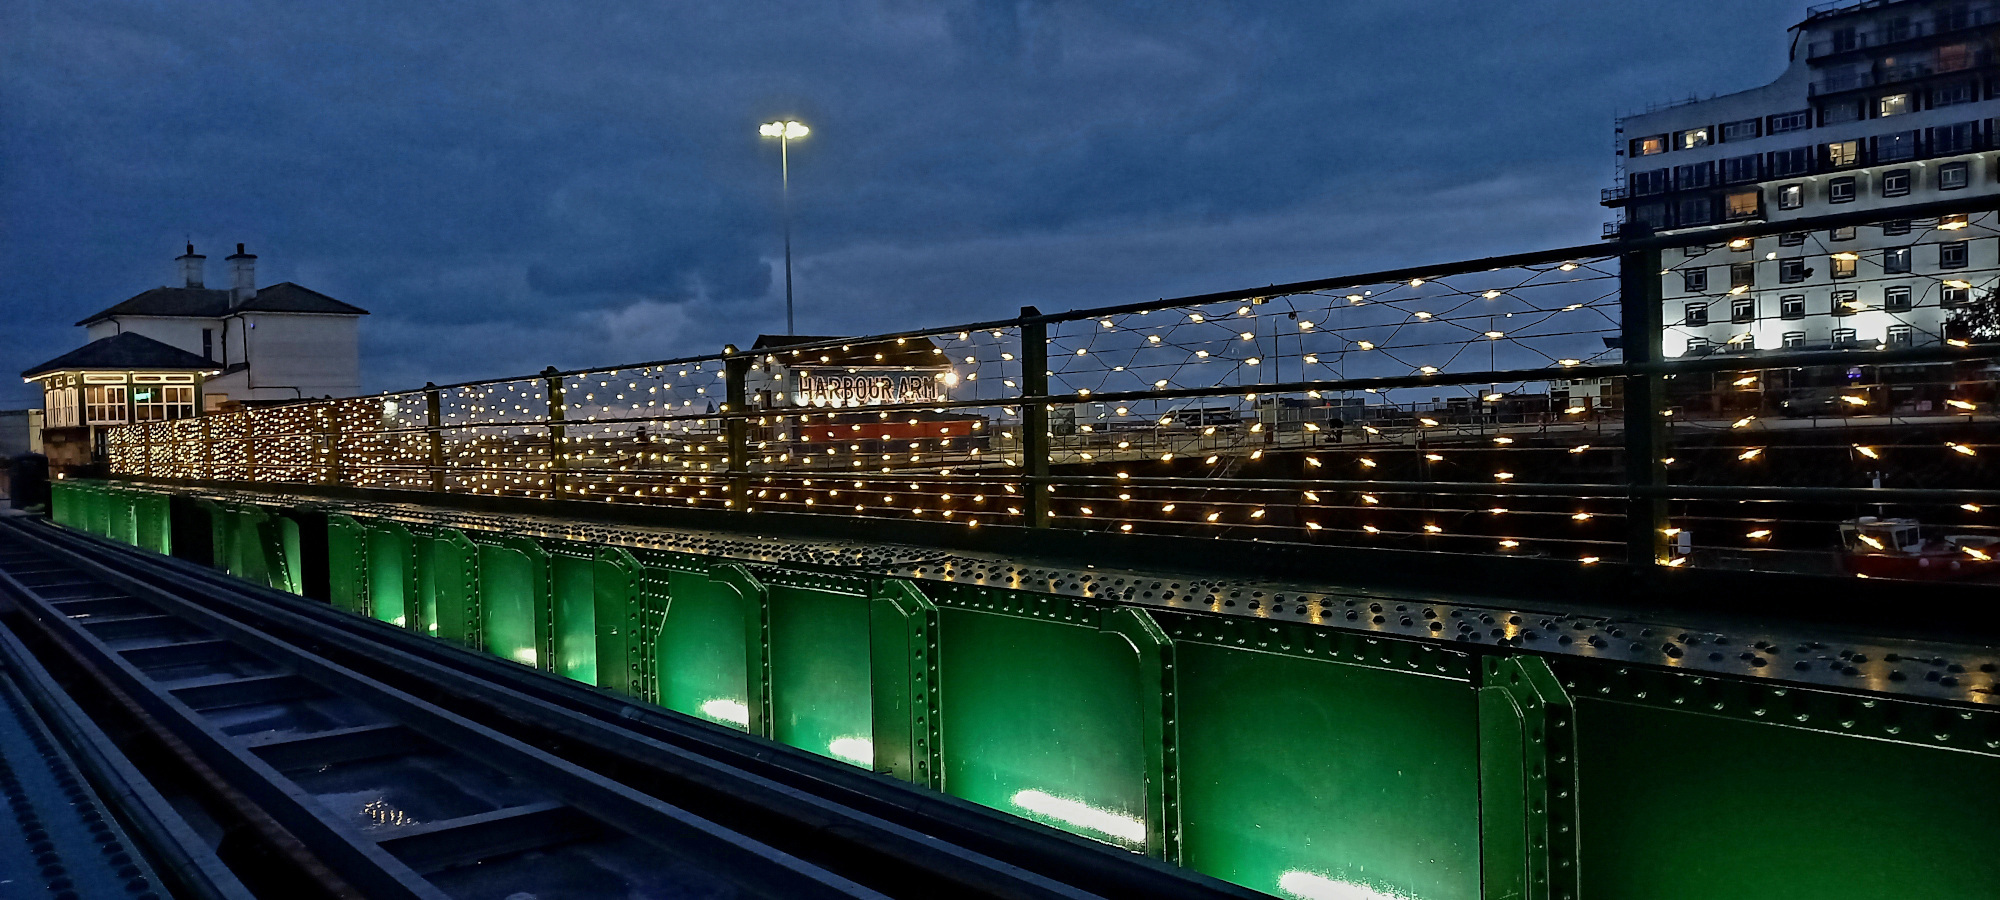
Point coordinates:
[[318, 355]]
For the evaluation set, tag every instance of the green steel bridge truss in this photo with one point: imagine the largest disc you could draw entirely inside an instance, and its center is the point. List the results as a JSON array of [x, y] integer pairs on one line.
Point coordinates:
[[1303, 760]]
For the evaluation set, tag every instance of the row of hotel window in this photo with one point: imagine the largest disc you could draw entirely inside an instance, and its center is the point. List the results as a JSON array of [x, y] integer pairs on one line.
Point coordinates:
[[1896, 336], [109, 404], [1841, 303], [1708, 209], [1799, 120], [1895, 261], [1944, 140]]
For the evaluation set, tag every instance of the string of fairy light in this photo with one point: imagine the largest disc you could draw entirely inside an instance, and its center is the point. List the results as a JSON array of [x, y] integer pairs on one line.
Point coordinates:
[[1358, 414]]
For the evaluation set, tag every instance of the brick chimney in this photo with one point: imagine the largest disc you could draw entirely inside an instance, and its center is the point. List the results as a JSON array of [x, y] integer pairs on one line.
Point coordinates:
[[192, 264], [243, 277]]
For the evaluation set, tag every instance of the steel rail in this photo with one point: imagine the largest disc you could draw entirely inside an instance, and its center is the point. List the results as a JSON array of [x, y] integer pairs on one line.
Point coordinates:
[[917, 841], [126, 606]]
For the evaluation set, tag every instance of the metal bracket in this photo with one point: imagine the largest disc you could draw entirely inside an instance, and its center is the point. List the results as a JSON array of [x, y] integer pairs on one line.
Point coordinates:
[[1527, 760]]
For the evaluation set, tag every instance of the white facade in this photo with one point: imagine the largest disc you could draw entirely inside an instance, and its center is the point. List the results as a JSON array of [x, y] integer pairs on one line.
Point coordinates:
[[1884, 105], [282, 342]]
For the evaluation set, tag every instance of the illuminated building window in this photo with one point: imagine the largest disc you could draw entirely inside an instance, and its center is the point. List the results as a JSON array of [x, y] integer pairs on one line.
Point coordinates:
[[1893, 105], [1844, 268], [1692, 138], [1792, 196], [104, 404], [1649, 146], [160, 402], [1744, 204], [1840, 154]]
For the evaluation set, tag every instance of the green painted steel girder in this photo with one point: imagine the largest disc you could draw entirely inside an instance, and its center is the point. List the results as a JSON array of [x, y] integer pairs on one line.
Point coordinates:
[[1297, 759]]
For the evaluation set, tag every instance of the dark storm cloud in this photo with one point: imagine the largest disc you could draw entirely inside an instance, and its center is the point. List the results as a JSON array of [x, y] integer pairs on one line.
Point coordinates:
[[509, 185]]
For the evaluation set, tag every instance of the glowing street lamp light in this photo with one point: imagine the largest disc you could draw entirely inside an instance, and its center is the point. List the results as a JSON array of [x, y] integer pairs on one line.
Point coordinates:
[[786, 132]]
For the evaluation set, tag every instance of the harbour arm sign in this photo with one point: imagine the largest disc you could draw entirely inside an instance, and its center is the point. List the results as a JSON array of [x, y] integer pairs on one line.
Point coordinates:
[[861, 386]]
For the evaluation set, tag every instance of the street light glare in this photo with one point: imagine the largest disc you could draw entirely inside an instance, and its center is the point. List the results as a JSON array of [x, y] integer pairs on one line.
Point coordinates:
[[786, 130]]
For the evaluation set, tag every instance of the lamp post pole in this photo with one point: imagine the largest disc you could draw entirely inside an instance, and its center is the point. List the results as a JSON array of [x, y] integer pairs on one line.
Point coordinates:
[[785, 131], [785, 177]]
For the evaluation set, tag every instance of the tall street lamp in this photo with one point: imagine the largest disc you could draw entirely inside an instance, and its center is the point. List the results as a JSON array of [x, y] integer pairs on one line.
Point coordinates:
[[786, 132]]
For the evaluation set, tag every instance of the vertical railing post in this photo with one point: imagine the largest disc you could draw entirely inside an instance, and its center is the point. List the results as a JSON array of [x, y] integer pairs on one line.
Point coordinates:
[[207, 450], [434, 428], [249, 446], [1034, 417], [552, 386], [736, 428], [1639, 302], [331, 410]]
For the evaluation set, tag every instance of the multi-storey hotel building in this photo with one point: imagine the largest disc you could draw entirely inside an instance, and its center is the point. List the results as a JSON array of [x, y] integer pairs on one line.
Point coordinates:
[[1886, 104]]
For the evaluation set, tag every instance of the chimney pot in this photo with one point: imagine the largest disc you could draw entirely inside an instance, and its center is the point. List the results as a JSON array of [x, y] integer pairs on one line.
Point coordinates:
[[243, 277], [192, 264]]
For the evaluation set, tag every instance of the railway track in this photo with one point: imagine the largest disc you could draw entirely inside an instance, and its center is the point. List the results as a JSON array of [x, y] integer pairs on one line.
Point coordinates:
[[368, 761]]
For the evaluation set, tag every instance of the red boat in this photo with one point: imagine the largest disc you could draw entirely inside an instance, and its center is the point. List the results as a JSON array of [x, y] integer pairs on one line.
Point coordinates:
[[1873, 547]]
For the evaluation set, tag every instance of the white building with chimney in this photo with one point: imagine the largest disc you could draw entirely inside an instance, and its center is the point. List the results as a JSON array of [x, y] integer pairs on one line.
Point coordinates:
[[172, 352]]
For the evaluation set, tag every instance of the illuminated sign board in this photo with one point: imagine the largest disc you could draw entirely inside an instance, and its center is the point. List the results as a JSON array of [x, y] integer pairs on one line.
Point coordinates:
[[864, 386]]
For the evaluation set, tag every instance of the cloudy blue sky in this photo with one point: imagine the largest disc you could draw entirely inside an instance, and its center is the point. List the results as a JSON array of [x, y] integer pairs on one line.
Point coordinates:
[[509, 185]]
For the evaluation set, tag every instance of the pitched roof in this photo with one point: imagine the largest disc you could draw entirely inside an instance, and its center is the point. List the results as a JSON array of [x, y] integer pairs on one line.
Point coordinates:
[[127, 350], [212, 303]]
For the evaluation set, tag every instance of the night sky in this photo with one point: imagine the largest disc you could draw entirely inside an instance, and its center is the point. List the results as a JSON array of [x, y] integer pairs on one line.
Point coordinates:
[[511, 185]]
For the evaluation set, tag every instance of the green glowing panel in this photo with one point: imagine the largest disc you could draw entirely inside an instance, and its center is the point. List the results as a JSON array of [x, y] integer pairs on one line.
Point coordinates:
[[347, 564], [390, 575], [1306, 778], [1677, 805], [574, 594], [285, 537], [820, 673], [513, 594], [155, 523], [1042, 719], [702, 656], [64, 501], [615, 588], [448, 566]]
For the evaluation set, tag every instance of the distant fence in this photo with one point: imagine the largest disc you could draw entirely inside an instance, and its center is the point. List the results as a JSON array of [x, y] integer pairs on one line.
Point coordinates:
[[1554, 403]]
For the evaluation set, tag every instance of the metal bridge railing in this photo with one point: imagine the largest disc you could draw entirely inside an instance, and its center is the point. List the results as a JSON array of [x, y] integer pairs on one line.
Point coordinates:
[[1558, 403]]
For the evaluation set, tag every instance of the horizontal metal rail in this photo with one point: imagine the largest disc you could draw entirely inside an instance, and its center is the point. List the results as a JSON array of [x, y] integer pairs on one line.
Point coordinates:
[[891, 836], [578, 807]]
